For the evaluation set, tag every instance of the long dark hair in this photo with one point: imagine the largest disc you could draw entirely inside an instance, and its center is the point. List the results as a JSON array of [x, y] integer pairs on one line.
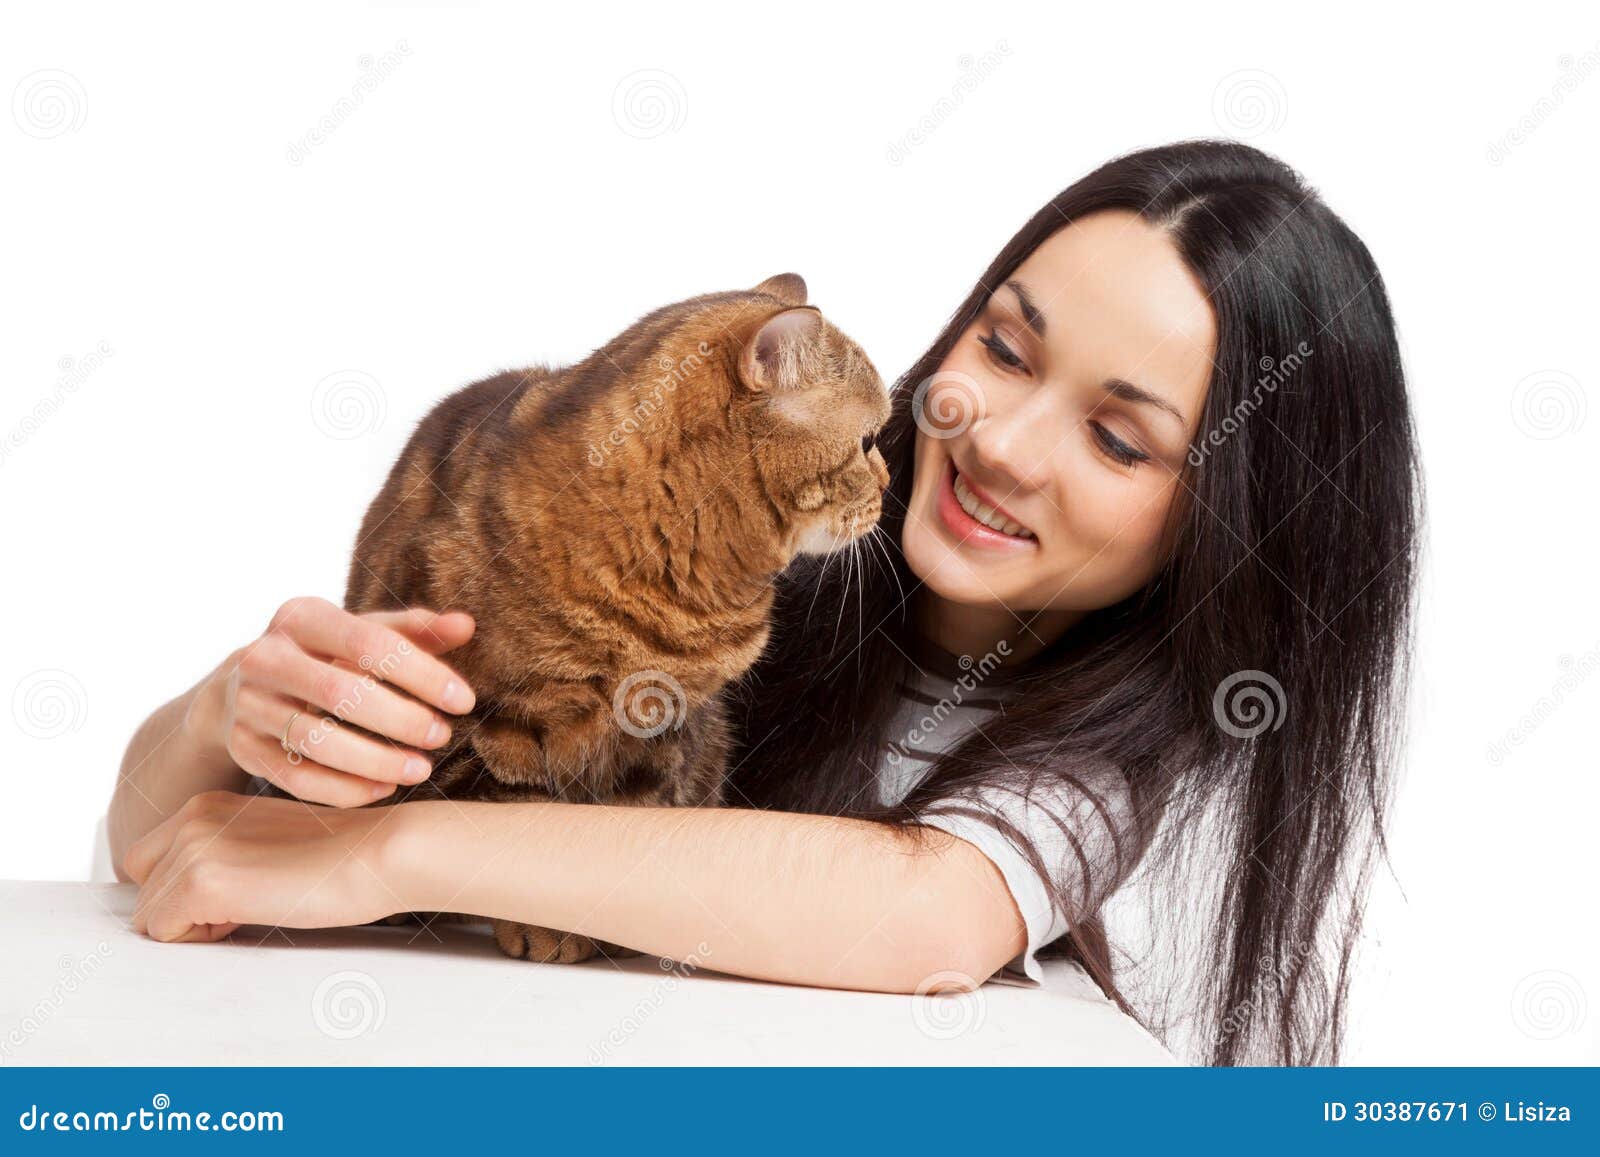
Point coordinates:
[[1253, 692]]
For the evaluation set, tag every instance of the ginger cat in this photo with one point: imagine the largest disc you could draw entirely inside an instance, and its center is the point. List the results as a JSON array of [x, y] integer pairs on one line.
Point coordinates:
[[615, 527]]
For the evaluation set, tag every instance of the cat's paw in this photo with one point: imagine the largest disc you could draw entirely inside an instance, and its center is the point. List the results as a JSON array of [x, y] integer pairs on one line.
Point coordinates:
[[542, 945]]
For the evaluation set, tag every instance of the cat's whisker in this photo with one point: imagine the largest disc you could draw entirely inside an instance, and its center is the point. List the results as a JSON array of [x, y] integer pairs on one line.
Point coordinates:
[[880, 539]]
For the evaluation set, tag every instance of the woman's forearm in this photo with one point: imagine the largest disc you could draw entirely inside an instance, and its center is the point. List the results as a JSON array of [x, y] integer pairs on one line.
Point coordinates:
[[173, 756], [776, 896]]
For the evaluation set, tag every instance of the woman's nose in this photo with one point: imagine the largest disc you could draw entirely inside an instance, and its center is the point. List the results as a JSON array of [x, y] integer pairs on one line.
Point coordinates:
[[1000, 448]]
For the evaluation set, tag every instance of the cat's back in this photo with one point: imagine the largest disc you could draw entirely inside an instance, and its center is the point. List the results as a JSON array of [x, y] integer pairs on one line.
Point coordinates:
[[450, 448]]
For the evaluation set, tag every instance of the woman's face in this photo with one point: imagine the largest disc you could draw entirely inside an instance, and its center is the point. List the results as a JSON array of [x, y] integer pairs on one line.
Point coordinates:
[[1051, 440]]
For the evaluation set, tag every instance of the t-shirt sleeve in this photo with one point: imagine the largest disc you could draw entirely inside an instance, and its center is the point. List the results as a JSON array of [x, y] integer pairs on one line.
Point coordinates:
[[1083, 828]]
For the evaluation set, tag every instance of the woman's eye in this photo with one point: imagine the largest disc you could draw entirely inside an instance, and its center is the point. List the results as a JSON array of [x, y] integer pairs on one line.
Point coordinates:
[[1116, 447], [1000, 351]]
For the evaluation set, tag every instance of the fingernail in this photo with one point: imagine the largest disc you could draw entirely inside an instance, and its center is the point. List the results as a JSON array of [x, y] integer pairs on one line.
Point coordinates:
[[437, 733], [457, 698], [379, 790], [418, 769]]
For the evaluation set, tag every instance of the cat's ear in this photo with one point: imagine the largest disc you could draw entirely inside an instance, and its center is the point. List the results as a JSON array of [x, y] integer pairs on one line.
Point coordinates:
[[771, 360], [789, 288]]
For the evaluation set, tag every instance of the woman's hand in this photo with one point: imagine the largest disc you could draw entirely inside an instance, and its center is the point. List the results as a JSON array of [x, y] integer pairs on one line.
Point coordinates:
[[318, 667], [224, 860]]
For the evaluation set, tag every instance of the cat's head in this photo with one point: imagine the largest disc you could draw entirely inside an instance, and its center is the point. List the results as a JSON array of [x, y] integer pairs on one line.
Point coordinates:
[[813, 405]]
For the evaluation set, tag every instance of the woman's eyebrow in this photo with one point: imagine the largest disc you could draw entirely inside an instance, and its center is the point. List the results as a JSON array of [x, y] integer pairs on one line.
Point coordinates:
[[1129, 392], [1030, 312]]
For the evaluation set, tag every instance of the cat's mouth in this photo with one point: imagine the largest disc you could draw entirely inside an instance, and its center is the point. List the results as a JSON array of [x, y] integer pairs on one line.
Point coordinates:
[[832, 534]]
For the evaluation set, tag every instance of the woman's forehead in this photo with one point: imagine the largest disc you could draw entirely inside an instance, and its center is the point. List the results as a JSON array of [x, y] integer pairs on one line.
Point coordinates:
[[1115, 298]]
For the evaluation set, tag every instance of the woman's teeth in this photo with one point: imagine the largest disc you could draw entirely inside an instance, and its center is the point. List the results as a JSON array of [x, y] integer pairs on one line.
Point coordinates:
[[987, 514]]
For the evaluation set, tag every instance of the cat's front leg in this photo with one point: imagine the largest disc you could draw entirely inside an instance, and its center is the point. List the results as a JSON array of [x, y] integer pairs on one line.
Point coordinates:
[[548, 946]]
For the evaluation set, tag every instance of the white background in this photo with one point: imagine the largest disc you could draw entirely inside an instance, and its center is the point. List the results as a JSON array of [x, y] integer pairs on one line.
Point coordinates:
[[515, 190]]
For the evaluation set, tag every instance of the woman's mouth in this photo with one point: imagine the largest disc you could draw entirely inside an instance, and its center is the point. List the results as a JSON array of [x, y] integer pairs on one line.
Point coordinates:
[[973, 516]]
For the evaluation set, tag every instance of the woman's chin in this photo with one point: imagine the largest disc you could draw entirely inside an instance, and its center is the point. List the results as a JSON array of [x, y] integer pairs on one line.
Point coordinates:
[[949, 571]]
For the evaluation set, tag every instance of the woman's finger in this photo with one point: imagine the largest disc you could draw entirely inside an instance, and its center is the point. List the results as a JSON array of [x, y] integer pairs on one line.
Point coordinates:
[[278, 663], [374, 647], [212, 810], [436, 632], [321, 740], [305, 779]]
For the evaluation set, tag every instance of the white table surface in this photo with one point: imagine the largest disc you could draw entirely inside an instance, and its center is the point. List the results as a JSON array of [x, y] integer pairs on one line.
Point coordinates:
[[78, 987]]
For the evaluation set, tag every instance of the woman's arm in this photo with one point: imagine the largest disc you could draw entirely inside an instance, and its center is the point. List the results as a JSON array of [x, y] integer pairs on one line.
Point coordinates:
[[795, 898], [176, 754], [314, 668]]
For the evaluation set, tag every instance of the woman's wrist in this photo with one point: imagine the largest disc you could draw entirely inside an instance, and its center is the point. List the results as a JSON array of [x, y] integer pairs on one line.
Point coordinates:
[[417, 847], [202, 729]]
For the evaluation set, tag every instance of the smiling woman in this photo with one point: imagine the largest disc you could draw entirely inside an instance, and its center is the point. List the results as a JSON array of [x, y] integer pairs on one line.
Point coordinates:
[[1079, 650], [1211, 650]]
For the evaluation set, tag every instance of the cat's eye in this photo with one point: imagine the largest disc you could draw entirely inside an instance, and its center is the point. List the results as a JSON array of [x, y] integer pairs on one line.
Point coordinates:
[[868, 441]]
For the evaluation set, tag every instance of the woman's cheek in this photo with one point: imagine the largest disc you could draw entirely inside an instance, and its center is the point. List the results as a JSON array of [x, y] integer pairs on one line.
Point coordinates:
[[1110, 527]]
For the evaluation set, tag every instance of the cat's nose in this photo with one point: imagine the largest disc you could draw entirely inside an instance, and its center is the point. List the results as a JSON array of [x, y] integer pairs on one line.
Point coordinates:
[[880, 469]]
